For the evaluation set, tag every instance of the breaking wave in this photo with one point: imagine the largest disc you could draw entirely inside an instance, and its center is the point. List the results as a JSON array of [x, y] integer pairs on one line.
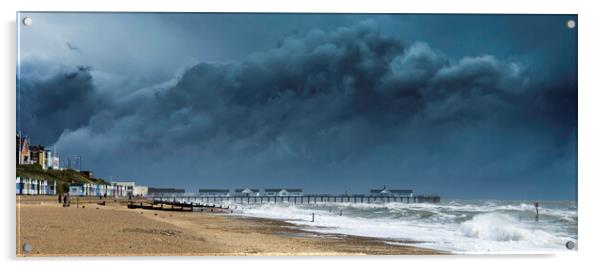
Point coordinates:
[[456, 226]]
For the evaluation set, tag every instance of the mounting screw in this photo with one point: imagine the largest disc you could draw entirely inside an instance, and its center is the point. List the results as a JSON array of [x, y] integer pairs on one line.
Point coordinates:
[[27, 247], [570, 245], [571, 24], [27, 21]]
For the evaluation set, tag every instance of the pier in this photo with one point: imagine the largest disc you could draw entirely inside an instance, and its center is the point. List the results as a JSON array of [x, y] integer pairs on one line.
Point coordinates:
[[300, 199]]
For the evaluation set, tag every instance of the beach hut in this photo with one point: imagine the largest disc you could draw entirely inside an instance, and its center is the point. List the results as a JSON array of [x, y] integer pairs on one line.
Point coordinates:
[[33, 187], [42, 187], [19, 185], [52, 188], [77, 189]]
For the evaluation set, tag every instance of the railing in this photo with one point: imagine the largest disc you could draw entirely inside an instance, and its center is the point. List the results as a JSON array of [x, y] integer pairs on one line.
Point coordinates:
[[299, 199]]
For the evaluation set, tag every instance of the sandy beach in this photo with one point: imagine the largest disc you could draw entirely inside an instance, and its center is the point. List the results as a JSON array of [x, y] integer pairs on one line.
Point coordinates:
[[115, 230]]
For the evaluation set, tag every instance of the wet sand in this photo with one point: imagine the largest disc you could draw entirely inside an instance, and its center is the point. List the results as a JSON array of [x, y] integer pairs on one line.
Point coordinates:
[[115, 230]]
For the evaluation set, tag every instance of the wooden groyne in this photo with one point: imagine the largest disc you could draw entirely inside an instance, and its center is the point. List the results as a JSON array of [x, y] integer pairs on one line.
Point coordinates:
[[165, 205], [303, 199]]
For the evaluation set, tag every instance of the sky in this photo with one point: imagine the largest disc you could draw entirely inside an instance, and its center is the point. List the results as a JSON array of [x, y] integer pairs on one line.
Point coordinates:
[[464, 106]]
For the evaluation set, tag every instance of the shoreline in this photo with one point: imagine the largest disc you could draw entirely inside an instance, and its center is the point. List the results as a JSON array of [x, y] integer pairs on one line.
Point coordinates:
[[115, 230]]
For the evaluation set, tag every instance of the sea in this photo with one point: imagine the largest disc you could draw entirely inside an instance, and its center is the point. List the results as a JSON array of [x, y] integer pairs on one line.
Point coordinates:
[[456, 226]]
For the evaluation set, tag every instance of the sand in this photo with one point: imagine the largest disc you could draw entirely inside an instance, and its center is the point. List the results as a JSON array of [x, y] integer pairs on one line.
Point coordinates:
[[115, 230]]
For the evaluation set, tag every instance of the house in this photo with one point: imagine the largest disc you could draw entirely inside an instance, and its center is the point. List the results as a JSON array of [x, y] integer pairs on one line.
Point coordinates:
[[164, 191], [214, 192], [38, 155], [23, 155], [87, 174], [391, 192], [52, 161], [284, 192], [246, 192]]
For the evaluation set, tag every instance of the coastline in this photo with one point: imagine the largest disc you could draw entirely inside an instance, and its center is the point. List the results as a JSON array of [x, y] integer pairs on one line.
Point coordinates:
[[115, 230]]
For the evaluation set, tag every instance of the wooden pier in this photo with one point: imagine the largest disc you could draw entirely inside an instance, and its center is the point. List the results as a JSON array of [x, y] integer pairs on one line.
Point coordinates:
[[303, 199]]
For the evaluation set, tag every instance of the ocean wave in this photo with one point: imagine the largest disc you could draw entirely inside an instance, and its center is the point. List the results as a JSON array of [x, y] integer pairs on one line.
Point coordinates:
[[464, 227]]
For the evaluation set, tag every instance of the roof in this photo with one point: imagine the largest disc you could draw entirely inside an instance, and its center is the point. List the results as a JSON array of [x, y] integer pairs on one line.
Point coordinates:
[[241, 190], [165, 190], [37, 148], [401, 191], [390, 191], [21, 141], [214, 190], [124, 183], [286, 189]]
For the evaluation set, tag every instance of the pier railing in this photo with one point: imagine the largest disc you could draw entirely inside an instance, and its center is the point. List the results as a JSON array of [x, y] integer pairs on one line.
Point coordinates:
[[300, 199]]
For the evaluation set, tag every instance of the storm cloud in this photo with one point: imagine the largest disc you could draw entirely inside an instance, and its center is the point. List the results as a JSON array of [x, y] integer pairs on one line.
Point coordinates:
[[65, 101], [349, 107]]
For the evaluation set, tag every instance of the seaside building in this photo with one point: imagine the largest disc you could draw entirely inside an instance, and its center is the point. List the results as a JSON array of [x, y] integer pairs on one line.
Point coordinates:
[[164, 191], [28, 186], [77, 189], [52, 161], [23, 155], [38, 155], [140, 191], [87, 174], [91, 189], [117, 190], [127, 187], [246, 192], [214, 192], [284, 192], [391, 192]]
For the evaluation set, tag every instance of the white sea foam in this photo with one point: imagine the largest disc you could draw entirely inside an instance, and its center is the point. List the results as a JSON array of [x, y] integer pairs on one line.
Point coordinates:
[[463, 227]]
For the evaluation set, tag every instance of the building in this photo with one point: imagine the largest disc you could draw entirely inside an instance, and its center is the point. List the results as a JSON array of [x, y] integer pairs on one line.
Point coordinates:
[[23, 155], [246, 192], [28, 186], [87, 174], [164, 191], [140, 191], [77, 189], [38, 155], [127, 187], [214, 192], [284, 192], [391, 192]]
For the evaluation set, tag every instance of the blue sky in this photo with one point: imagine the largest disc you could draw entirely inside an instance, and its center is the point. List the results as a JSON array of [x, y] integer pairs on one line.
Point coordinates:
[[465, 106]]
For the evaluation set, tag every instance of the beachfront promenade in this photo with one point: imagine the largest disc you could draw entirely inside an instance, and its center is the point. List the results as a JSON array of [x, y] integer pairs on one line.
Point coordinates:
[[298, 199]]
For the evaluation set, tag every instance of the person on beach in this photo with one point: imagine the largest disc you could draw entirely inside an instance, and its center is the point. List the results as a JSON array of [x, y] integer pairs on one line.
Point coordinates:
[[60, 197]]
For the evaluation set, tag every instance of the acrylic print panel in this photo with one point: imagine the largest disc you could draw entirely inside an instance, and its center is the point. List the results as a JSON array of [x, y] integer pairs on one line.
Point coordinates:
[[295, 134]]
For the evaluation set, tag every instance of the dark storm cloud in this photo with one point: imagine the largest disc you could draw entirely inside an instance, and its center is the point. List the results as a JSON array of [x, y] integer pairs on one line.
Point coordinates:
[[49, 106], [327, 108]]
